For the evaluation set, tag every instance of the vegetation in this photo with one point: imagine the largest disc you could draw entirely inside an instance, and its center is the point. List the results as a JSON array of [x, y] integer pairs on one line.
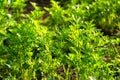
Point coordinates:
[[78, 40]]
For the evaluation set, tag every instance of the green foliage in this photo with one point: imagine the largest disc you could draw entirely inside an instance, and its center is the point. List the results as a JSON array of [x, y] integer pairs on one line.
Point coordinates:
[[104, 13], [69, 46], [107, 17]]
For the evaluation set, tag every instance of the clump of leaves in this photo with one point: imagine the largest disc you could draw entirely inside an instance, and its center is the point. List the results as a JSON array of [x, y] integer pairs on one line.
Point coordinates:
[[107, 17], [17, 40]]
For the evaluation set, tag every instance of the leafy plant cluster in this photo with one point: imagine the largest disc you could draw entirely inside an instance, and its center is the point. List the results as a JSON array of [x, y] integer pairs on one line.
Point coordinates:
[[70, 45], [104, 13]]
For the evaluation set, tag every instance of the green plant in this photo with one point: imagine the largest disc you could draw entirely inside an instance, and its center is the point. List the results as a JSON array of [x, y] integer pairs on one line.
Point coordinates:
[[68, 46]]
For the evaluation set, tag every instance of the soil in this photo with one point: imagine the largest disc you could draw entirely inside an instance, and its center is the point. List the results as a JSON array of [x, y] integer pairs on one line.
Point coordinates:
[[41, 3]]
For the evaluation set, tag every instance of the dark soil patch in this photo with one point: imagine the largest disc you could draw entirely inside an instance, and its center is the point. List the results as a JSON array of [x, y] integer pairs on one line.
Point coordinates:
[[41, 3]]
